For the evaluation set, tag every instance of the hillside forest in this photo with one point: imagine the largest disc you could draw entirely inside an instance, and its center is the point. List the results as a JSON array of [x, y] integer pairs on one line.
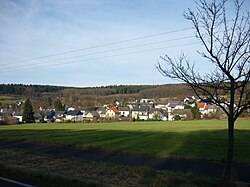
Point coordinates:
[[45, 96]]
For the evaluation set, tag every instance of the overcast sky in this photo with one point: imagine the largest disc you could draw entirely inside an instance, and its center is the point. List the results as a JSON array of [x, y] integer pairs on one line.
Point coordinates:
[[76, 42]]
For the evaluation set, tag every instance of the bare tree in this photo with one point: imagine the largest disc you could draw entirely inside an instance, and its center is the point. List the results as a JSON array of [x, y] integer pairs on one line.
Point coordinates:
[[226, 43]]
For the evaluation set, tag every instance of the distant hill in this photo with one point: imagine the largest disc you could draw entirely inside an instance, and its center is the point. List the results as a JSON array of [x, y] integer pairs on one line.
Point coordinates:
[[45, 95]]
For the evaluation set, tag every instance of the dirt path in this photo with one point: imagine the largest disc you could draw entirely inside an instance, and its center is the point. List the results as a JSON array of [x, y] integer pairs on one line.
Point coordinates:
[[200, 167]]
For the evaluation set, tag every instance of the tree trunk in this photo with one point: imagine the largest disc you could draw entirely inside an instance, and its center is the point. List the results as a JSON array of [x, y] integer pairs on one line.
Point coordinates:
[[230, 150]]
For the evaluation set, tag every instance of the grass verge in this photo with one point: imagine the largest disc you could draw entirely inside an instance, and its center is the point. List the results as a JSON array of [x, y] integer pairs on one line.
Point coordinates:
[[43, 170]]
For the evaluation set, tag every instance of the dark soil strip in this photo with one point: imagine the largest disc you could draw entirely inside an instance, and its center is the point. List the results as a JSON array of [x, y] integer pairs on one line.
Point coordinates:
[[199, 167]]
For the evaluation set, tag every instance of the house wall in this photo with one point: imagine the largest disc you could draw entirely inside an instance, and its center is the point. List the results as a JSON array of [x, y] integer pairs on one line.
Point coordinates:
[[110, 114], [76, 117], [141, 115], [124, 113], [179, 107], [19, 118], [160, 116]]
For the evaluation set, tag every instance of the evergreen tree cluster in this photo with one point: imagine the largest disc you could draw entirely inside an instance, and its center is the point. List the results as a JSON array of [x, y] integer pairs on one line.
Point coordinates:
[[28, 114], [59, 106], [21, 89]]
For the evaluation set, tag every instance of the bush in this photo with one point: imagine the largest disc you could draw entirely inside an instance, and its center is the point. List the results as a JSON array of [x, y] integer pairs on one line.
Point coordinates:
[[9, 120], [177, 117], [214, 115]]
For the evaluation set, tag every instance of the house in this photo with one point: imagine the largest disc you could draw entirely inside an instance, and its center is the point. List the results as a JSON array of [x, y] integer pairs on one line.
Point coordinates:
[[140, 112], [94, 115], [161, 105], [60, 115], [49, 116], [70, 108], [212, 109], [6, 112], [74, 115], [176, 105], [124, 111], [38, 117], [101, 111], [190, 101], [206, 108], [18, 115], [182, 113], [157, 114], [112, 112], [203, 107], [149, 101]]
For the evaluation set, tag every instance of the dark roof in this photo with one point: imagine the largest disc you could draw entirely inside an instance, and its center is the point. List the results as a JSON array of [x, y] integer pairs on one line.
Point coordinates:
[[175, 104], [49, 113], [74, 112], [156, 110], [6, 112], [18, 113], [141, 108], [95, 114], [124, 109], [38, 115]]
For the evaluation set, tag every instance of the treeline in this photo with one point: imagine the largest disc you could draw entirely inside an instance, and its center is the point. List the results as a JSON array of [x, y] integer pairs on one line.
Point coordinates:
[[45, 95], [107, 90], [22, 89], [28, 90]]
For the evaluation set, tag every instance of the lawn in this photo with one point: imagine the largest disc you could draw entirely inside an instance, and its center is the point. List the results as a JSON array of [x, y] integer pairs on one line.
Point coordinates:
[[7, 100], [205, 139]]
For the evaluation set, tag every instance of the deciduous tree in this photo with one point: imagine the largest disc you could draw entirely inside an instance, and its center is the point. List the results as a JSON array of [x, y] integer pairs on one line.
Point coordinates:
[[226, 45]]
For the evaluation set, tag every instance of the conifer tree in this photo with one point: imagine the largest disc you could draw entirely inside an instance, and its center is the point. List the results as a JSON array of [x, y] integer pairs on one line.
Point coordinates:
[[59, 106], [28, 114]]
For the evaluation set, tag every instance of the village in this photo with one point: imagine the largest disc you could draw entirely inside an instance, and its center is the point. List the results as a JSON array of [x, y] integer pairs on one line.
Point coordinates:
[[142, 110]]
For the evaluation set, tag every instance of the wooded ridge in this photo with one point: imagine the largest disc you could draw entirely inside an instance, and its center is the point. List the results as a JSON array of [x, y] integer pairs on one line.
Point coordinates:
[[44, 95]]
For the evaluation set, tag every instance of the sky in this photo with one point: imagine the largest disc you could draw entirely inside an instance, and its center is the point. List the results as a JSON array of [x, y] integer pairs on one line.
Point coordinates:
[[92, 42]]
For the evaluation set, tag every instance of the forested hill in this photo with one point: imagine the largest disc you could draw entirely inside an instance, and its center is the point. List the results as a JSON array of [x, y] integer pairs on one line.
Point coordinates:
[[27, 90], [22, 89], [150, 91], [45, 95]]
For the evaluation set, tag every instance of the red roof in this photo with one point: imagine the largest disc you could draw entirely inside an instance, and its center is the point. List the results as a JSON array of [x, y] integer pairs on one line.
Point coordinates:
[[114, 109], [202, 105]]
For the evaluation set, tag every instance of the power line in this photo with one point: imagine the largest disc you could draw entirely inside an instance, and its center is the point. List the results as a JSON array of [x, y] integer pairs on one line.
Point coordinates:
[[98, 58], [100, 52], [102, 45]]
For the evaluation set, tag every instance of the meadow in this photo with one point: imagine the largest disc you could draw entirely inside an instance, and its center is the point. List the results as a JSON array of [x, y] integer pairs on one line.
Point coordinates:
[[7, 100], [203, 139]]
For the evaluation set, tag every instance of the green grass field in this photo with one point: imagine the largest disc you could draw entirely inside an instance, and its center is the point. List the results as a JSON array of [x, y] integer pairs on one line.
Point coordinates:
[[205, 139], [7, 100]]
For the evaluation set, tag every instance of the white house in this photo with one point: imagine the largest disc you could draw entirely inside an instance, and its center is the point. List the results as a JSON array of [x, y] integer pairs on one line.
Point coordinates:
[[124, 111], [112, 112], [102, 112], [17, 115], [74, 115], [70, 109], [92, 115], [140, 112], [156, 113], [163, 106], [176, 105]]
